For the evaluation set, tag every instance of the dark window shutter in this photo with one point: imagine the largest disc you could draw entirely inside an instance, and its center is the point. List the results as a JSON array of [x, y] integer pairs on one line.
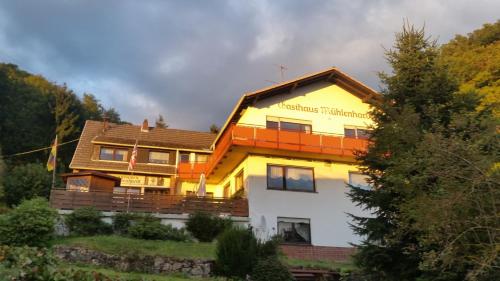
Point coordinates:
[[142, 155]]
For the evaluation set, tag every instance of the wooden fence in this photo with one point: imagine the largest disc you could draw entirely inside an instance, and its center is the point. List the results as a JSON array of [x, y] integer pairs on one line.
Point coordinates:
[[146, 203]]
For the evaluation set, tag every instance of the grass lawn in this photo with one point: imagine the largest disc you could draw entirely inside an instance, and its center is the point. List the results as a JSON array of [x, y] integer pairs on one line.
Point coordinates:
[[136, 276], [113, 244]]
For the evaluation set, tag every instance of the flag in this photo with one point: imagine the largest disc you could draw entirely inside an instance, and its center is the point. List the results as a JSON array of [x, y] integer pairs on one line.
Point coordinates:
[[133, 158], [51, 163]]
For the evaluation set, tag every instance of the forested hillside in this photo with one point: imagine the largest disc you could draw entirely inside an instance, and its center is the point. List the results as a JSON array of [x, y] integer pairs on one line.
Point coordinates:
[[474, 60], [33, 110]]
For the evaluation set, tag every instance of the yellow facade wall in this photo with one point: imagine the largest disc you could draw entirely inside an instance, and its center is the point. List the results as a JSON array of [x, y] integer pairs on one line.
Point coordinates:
[[321, 103]]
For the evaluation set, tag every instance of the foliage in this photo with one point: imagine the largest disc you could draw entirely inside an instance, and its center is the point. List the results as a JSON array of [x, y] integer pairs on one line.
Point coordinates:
[[458, 217], [33, 110], [269, 248], [150, 228], [432, 167], [113, 244], [417, 95], [2, 173], [122, 221], [270, 269], [236, 253], [87, 221], [473, 60], [25, 182], [214, 129], [31, 223], [206, 227], [38, 264], [160, 122]]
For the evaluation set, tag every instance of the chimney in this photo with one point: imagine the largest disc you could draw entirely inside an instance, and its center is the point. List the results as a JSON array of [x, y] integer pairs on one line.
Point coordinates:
[[145, 126], [105, 124]]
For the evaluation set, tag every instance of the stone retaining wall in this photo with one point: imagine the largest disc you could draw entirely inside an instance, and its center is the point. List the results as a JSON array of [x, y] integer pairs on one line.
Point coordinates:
[[137, 263]]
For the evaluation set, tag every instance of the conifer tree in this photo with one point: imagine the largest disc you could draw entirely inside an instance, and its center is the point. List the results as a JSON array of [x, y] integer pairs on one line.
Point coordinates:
[[417, 95], [160, 122]]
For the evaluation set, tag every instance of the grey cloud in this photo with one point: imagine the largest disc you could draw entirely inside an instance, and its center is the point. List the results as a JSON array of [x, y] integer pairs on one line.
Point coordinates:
[[192, 60]]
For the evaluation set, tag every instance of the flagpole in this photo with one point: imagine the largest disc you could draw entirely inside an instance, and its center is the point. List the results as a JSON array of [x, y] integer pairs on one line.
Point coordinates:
[[55, 165]]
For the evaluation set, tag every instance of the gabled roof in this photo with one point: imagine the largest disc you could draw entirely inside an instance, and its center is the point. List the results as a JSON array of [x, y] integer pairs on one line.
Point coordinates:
[[333, 75], [126, 135]]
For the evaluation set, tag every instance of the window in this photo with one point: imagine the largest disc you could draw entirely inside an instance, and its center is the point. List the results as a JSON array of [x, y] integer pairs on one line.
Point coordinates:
[[294, 230], [288, 125], [358, 133], [159, 157], [113, 154], [78, 184], [227, 190], [184, 157], [290, 178], [359, 180], [238, 181], [201, 158]]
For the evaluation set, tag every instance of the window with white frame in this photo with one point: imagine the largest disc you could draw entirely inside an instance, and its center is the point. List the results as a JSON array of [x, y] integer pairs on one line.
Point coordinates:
[[294, 230], [286, 124]]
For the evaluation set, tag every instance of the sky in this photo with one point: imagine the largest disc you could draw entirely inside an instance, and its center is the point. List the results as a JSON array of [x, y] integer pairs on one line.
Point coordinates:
[[192, 60]]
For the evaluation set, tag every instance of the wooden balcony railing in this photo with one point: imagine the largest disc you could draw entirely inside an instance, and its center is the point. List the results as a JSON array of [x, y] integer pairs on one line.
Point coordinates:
[[261, 137], [146, 203]]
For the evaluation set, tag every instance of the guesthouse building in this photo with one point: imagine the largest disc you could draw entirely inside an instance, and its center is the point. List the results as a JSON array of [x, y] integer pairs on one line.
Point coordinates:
[[281, 163]]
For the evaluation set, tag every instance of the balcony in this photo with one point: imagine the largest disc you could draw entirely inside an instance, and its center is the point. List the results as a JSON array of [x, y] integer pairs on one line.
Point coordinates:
[[284, 143], [145, 203]]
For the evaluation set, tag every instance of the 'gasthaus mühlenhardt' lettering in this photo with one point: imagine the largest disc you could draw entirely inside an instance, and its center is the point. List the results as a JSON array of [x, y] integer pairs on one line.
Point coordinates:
[[324, 110]]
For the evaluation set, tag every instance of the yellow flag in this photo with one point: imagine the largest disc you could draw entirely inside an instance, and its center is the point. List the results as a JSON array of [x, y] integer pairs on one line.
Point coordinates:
[[51, 163]]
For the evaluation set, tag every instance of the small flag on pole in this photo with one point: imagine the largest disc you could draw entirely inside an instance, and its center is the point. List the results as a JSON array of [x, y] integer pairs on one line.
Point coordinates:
[[51, 163], [133, 158]]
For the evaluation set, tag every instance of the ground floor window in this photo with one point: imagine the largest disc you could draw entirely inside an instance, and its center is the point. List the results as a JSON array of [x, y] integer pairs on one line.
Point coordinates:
[[294, 230]]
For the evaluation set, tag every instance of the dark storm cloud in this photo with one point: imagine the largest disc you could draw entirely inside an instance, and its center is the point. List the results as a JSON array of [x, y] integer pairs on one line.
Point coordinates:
[[192, 60]]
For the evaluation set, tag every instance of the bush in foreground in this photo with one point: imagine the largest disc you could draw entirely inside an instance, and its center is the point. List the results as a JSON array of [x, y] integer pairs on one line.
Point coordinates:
[[236, 253], [206, 227], [86, 222], [151, 228], [270, 269], [31, 223], [25, 182], [122, 221]]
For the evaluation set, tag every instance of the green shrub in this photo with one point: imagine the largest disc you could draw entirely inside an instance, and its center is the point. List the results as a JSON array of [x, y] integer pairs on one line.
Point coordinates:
[[150, 228], [25, 182], [122, 221], [206, 227], [87, 221], [268, 248], [271, 269], [236, 253], [31, 223]]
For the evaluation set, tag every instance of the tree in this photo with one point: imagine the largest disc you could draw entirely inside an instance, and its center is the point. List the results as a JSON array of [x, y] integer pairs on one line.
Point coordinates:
[[160, 122], [2, 172], [25, 182], [92, 108], [113, 116], [214, 129], [417, 95], [473, 60], [458, 217]]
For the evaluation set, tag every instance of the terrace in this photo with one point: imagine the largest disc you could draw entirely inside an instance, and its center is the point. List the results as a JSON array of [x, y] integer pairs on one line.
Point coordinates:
[[147, 203]]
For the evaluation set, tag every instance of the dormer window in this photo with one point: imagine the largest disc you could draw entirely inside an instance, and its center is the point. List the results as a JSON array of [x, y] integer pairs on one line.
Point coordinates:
[[113, 154], [156, 157]]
